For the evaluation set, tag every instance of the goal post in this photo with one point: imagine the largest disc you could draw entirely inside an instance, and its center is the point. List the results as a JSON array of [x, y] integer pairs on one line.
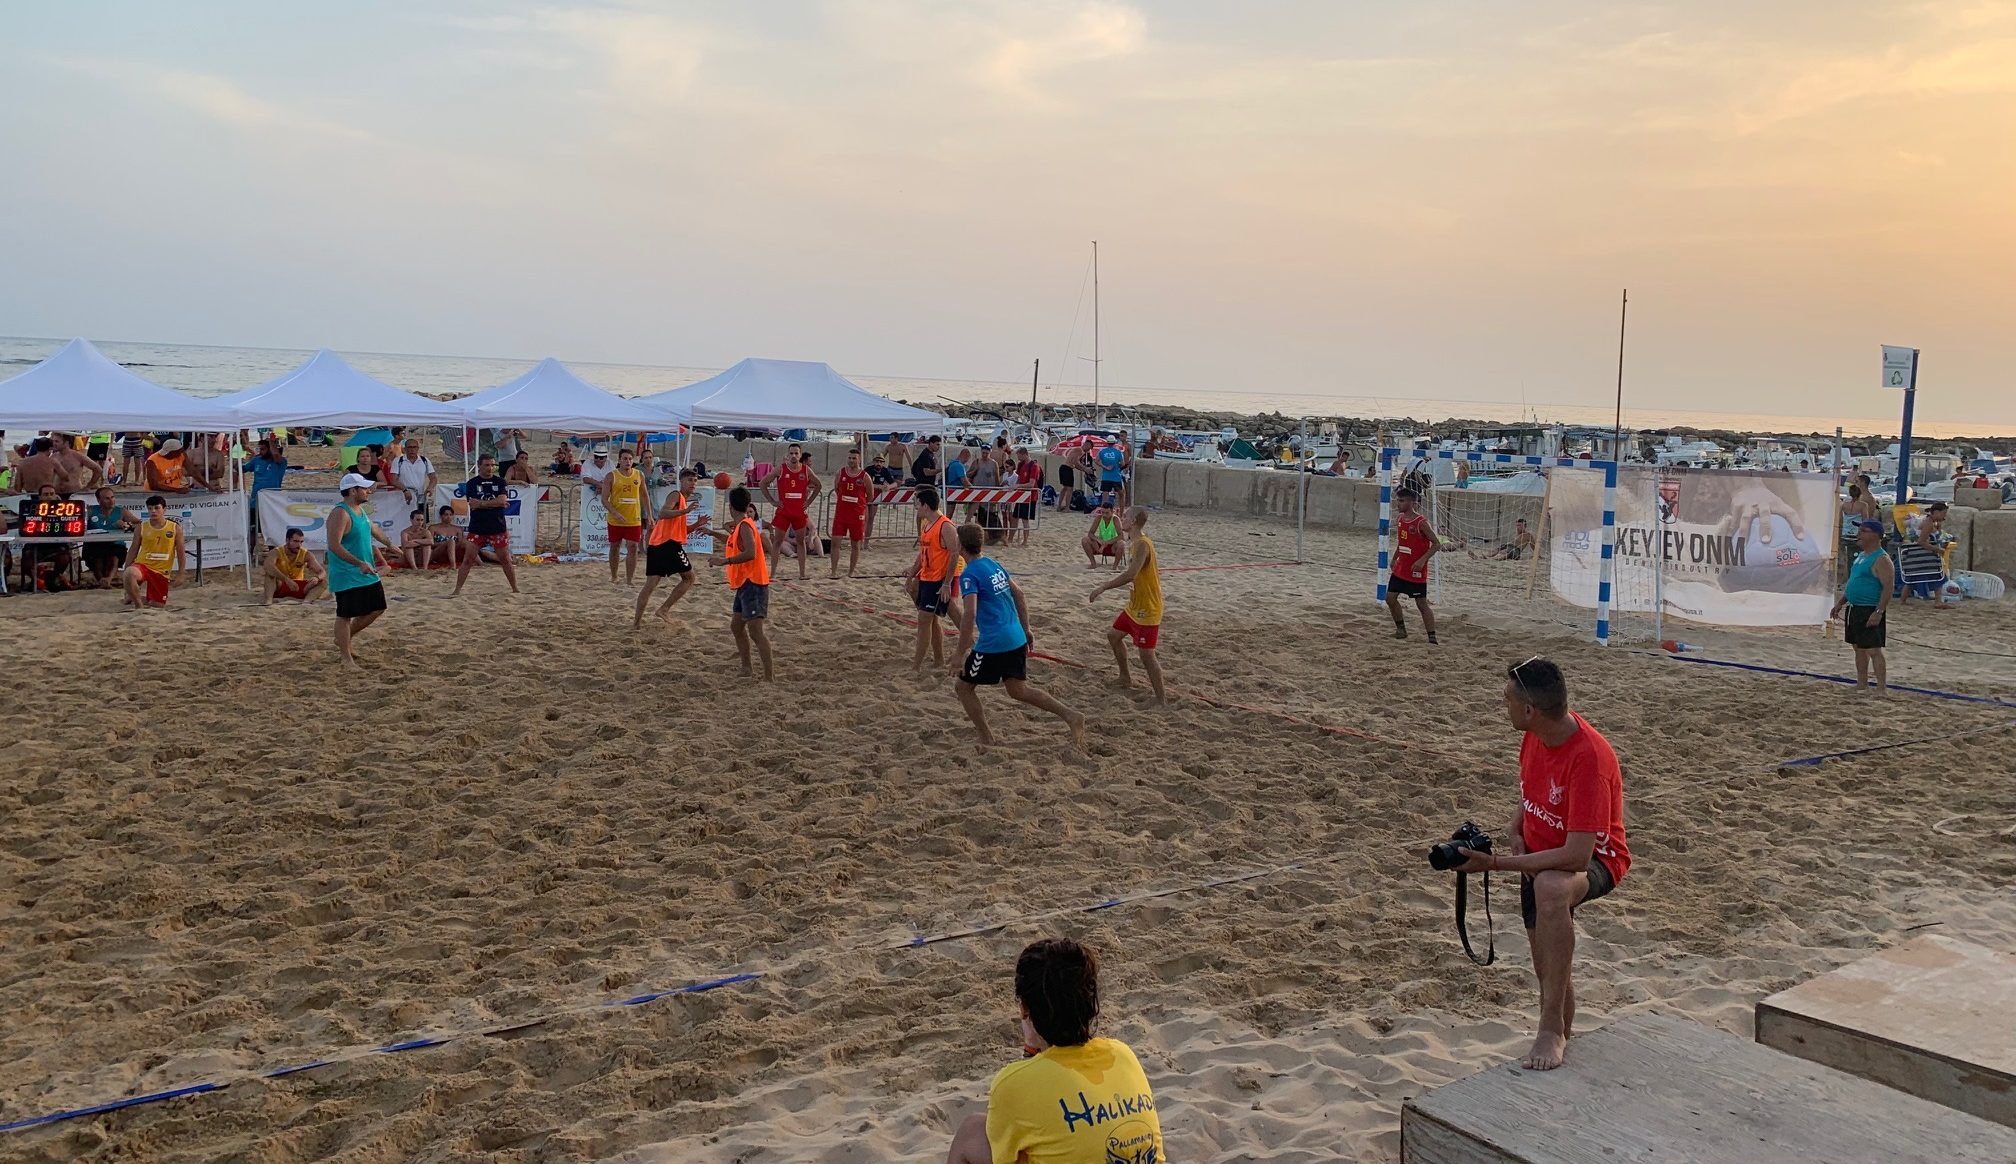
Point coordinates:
[[1607, 548]]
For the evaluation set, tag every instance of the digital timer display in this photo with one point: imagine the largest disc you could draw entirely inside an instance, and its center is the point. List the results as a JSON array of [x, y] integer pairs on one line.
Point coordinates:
[[52, 519]]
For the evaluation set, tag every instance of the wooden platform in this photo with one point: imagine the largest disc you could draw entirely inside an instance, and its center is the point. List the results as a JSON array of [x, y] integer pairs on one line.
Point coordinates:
[[1935, 1017], [1653, 1088]]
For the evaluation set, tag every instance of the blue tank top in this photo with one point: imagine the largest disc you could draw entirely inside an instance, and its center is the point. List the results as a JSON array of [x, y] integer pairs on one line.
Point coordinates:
[[357, 540], [1864, 588]]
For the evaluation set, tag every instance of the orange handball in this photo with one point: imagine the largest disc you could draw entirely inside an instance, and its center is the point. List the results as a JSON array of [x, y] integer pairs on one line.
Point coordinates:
[[723, 480]]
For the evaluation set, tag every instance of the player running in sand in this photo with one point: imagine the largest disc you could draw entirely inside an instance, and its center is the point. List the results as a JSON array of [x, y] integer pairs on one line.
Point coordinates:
[[749, 577], [1141, 621], [930, 576], [665, 548], [1413, 544], [851, 491], [994, 640], [791, 490]]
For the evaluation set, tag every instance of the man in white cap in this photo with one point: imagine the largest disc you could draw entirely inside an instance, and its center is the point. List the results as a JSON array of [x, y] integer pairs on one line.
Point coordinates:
[[598, 467], [353, 563], [168, 469]]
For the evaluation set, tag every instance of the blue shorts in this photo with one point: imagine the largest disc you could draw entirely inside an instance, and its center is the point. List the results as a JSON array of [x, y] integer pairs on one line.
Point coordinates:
[[752, 601], [931, 596]]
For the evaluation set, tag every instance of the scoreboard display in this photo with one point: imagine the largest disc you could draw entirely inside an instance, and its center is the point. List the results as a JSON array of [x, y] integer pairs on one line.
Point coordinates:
[[52, 519]]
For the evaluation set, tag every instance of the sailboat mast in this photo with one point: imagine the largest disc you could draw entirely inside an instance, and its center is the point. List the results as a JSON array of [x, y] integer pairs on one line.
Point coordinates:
[[1097, 411]]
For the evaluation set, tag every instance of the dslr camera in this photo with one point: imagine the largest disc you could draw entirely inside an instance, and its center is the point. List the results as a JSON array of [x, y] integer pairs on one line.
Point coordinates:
[[1444, 856]]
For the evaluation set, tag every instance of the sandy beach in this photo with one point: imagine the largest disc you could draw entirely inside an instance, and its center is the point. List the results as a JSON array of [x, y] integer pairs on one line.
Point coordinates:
[[223, 856]]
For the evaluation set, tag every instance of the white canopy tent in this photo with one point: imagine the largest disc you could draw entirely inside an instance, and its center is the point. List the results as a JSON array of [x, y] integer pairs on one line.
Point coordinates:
[[791, 394], [329, 392], [552, 398], [79, 390]]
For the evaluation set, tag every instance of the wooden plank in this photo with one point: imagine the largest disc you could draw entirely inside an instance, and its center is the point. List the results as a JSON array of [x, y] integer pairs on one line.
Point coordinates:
[[1653, 1088], [1935, 1017]]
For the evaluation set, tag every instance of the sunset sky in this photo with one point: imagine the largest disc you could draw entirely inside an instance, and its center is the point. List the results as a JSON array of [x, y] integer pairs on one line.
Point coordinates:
[[1438, 198]]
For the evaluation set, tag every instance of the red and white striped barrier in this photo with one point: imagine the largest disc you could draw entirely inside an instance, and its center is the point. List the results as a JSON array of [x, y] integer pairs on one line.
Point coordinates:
[[961, 495]]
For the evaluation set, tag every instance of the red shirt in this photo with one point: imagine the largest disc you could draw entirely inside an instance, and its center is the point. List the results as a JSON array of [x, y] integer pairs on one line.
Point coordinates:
[[792, 486], [1029, 472], [1411, 539], [1575, 788], [850, 491]]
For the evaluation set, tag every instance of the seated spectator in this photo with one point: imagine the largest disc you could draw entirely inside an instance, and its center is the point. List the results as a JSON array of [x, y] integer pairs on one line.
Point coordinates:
[[416, 541], [168, 470], [564, 463], [1073, 1099], [104, 558], [449, 545], [1103, 539], [290, 571], [1522, 545], [519, 471]]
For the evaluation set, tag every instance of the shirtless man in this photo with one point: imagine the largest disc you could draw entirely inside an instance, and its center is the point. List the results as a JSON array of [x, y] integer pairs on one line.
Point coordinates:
[[1141, 621], [40, 467], [665, 548], [791, 490], [896, 455], [1522, 545], [851, 491]]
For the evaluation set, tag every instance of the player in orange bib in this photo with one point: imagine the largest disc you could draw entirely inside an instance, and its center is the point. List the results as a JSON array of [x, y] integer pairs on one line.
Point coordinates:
[[749, 576], [665, 547], [791, 492], [933, 577], [623, 495], [852, 490]]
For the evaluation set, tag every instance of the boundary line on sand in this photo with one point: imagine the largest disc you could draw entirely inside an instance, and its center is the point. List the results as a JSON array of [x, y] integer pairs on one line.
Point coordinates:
[[1843, 679]]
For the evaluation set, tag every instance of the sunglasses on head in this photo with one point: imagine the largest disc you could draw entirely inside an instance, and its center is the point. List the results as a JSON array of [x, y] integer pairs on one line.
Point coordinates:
[[1512, 673]]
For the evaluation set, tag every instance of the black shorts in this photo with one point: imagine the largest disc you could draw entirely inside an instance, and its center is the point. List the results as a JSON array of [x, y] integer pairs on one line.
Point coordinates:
[[1861, 634], [1066, 477], [666, 559], [982, 670], [360, 600], [1395, 584], [752, 601], [1025, 511], [1600, 884], [931, 596]]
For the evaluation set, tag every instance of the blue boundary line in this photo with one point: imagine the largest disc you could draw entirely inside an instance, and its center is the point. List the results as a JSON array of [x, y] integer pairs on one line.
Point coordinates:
[[1811, 761], [701, 987], [1843, 679]]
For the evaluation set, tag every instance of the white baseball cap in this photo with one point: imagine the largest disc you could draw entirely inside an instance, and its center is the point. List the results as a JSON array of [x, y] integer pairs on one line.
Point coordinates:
[[354, 481]]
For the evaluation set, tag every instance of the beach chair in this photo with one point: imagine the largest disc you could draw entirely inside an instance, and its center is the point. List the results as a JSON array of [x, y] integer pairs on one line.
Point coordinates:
[[1916, 567]]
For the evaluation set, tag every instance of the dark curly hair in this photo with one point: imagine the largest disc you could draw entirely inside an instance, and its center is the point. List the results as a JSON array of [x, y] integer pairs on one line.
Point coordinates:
[[1058, 980]]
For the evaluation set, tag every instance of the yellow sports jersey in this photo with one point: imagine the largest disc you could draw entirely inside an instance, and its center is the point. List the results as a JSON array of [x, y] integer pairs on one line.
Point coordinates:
[[1088, 1104], [626, 497], [1144, 605], [292, 566], [157, 546]]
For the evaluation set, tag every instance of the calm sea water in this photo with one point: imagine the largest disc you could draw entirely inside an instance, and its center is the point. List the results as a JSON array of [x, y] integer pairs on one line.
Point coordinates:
[[210, 371]]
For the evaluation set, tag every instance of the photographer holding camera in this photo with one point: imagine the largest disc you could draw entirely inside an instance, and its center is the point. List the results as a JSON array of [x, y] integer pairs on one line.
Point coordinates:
[[1566, 840]]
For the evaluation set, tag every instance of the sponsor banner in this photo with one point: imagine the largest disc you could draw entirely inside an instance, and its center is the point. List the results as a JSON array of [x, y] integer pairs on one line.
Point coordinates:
[[308, 511], [521, 520], [593, 517], [218, 518], [1731, 547]]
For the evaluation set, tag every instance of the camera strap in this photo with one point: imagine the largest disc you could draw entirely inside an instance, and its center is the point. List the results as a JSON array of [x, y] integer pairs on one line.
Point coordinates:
[[1463, 924]]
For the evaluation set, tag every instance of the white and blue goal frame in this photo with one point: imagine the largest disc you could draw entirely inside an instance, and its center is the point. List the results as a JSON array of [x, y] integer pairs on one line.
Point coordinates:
[[1607, 468]]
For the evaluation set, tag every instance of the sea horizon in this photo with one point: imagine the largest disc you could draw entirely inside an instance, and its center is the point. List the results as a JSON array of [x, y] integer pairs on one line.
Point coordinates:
[[214, 370]]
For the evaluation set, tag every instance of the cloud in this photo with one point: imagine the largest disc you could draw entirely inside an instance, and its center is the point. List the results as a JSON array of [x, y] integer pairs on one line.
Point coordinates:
[[214, 97], [642, 56]]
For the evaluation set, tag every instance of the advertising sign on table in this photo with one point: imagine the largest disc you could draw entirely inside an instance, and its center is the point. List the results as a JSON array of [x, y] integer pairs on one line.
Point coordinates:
[[308, 511], [1731, 547]]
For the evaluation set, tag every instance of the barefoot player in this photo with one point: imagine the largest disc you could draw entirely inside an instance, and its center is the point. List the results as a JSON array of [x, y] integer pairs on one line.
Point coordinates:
[[749, 577], [665, 548], [851, 491], [1141, 621], [994, 639], [1566, 841], [623, 495], [1413, 544], [791, 492], [930, 577]]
